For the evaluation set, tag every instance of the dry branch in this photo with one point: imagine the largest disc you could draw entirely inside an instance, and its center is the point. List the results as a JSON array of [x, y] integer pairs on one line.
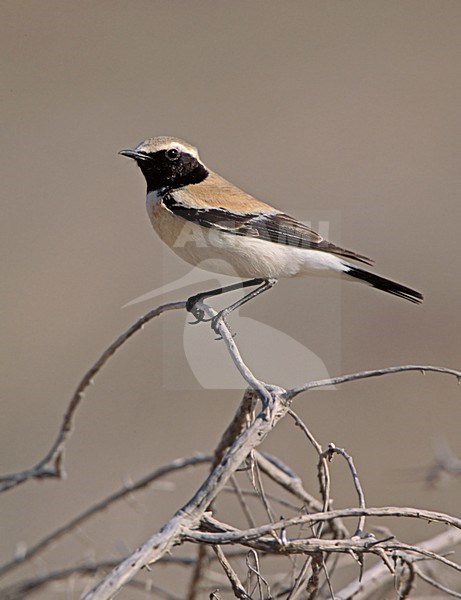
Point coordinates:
[[373, 581], [51, 465], [275, 404], [42, 545], [194, 523]]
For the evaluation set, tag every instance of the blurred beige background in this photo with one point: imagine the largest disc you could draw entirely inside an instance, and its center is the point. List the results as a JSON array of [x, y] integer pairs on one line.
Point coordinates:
[[343, 112]]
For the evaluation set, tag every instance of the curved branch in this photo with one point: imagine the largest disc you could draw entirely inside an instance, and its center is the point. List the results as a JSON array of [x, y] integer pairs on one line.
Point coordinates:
[[263, 390], [189, 516], [27, 587], [228, 534], [435, 584], [33, 551], [229, 457], [371, 583], [51, 465], [312, 385]]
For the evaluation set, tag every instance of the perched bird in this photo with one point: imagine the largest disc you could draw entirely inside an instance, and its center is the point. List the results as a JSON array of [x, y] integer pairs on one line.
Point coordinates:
[[213, 224]]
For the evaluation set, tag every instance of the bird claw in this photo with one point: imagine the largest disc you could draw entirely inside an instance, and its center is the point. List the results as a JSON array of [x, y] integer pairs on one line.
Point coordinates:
[[194, 322], [215, 322], [198, 313], [199, 316]]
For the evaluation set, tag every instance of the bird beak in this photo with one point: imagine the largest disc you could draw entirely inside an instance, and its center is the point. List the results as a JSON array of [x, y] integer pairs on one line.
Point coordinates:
[[133, 154]]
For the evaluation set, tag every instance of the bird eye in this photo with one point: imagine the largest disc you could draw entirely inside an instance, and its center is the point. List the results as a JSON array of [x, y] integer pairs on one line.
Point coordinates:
[[172, 154]]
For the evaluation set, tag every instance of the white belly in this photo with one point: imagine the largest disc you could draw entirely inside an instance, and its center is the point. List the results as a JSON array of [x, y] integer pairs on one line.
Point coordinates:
[[221, 252]]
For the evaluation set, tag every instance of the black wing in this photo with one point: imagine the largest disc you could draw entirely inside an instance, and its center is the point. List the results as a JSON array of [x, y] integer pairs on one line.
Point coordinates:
[[276, 227]]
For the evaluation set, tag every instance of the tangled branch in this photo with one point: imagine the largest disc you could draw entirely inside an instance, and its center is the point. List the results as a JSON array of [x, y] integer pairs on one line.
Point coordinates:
[[315, 530]]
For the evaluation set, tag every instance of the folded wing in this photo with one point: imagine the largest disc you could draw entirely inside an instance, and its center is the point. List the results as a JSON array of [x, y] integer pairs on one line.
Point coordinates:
[[275, 227]]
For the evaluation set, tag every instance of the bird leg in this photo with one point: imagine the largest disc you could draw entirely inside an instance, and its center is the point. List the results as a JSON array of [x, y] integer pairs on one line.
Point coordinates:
[[266, 284], [198, 312]]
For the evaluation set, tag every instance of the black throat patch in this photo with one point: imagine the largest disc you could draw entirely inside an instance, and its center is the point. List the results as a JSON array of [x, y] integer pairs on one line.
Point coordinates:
[[162, 172]]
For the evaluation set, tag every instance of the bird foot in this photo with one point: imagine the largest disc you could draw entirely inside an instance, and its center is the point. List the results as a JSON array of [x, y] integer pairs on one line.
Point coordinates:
[[196, 311]]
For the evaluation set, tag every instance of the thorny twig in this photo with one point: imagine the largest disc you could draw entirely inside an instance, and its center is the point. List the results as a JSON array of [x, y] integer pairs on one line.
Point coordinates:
[[51, 465], [192, 523]]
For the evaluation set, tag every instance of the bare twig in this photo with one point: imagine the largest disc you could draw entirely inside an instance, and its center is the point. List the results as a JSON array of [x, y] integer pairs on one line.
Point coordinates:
[[246, 432], [322, 466], [386, 511], [373, 580], [51, 465], [385, 549], [242, 492], [242, 501], [290, 394], [237, 587], [286, 478], [314, 580], [337, 528], [435, 584], [256, 482], [188, 517], [190, 514], [241, 421], [332, 449], [33, 551], [25, 588], [256, 571], [262, 390], [405, 579]]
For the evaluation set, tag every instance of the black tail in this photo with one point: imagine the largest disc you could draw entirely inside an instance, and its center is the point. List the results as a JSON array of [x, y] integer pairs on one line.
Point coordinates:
[[391, 287]]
